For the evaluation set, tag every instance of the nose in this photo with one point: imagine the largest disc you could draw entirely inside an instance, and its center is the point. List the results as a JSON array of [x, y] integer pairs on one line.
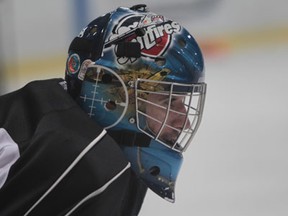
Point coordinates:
[[178, 117]]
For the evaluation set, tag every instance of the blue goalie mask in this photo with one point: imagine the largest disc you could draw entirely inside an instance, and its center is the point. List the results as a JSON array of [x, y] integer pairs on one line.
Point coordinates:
[[141, 77]]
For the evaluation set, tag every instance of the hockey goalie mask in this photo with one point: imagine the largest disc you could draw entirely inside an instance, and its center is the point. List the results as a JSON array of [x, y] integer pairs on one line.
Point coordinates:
[[167, 112], [133, 70]]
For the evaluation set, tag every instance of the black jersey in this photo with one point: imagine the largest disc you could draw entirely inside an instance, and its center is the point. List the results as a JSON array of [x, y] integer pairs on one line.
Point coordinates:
[[67, 164]]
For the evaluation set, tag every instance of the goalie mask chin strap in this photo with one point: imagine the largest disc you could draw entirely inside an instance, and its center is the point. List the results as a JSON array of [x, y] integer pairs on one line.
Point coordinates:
[[130, 138]]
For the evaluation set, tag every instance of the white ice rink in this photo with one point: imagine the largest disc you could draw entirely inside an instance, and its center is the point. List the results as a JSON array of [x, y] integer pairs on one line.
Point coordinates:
[[238, 162]]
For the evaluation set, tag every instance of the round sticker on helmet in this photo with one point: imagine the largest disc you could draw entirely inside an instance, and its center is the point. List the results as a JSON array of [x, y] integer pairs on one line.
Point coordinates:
[[83, 69], [73, 63]]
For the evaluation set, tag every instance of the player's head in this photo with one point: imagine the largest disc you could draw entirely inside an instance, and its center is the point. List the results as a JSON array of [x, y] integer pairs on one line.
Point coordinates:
[[142, 75]]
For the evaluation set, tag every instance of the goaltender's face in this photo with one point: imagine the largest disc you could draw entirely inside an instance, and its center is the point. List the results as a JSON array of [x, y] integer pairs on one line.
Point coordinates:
[[175, 118]]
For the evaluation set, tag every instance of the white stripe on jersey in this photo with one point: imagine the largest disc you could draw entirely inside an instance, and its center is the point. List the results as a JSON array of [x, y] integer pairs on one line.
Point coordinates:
[[9, 153], [72, 165], [98, 191]]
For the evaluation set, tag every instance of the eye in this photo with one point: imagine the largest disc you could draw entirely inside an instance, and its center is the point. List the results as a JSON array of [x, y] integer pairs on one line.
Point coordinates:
[[177, 102], [164, 102], [174, 103]]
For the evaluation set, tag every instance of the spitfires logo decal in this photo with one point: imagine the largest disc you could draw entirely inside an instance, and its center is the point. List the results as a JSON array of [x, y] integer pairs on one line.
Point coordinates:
[[156, 39]]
